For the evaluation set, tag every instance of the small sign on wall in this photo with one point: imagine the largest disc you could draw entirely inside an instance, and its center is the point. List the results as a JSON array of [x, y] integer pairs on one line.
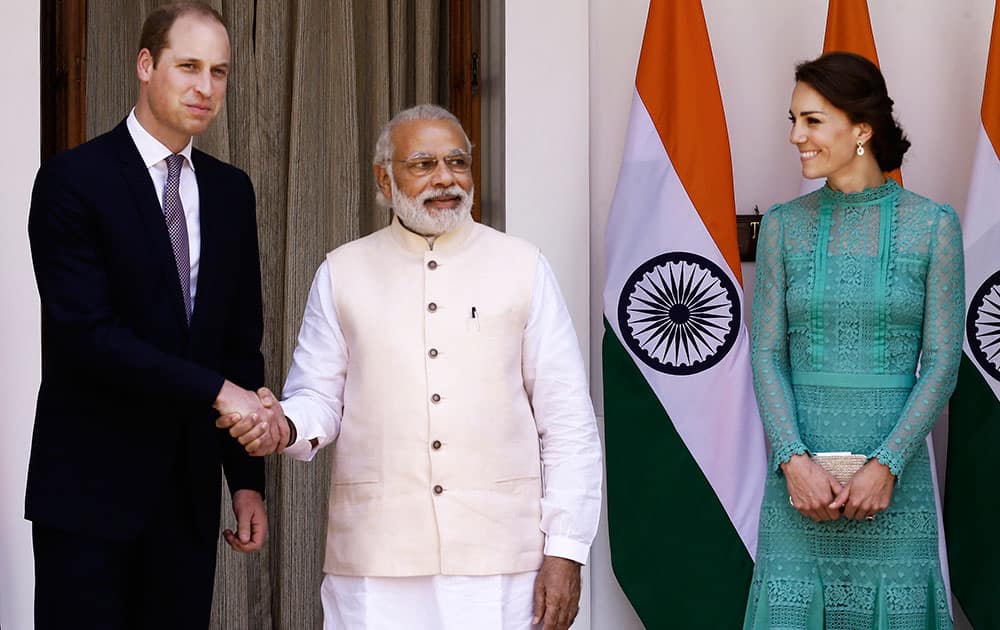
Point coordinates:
[[747, 230]]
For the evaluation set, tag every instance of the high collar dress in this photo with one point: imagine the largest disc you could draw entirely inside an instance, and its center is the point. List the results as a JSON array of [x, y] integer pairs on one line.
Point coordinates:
[[852, 292]]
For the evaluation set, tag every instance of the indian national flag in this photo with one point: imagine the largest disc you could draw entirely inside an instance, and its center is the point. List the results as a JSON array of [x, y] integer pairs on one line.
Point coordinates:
[[685, 447], [972, 497], [848, 29]]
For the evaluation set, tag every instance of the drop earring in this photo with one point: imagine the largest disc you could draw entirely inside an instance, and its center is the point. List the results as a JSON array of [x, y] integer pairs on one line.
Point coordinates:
[[861, 148]]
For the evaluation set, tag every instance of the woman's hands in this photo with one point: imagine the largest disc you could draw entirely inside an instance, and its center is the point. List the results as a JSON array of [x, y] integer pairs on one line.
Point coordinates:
[[817, 495], [811, 489], [868, 492]]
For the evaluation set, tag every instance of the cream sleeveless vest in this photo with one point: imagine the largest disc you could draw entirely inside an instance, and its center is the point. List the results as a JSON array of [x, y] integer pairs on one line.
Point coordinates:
[[436, 469]]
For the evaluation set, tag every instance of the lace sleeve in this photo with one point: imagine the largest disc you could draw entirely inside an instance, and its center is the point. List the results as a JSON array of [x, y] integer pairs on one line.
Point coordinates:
[[941, 350], [769, 344]]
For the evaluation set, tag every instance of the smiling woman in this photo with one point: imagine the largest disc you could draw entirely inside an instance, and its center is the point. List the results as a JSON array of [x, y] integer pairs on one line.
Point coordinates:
[[838, 113], [854, 282]]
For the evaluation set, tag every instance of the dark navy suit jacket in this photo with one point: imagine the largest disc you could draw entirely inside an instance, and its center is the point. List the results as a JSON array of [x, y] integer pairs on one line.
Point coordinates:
[[125, 404]]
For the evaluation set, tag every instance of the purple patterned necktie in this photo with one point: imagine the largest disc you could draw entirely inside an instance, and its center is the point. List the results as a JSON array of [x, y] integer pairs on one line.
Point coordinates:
[[173, 212]]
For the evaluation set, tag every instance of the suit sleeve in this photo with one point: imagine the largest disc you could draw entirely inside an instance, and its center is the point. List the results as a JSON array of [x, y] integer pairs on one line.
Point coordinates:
[[68, 255], [242, 359]]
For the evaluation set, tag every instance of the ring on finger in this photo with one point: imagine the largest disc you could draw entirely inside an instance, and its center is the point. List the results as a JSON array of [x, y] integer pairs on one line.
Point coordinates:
[[870, 517]]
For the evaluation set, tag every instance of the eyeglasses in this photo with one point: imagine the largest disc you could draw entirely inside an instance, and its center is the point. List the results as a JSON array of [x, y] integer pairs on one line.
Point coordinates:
[[423, 165]]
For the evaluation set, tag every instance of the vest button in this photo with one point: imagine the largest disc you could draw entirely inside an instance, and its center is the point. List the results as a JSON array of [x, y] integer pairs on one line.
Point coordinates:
[[432, 307], [438, 489], [436, 398], [432, 352], [432, 264], [436, 444]]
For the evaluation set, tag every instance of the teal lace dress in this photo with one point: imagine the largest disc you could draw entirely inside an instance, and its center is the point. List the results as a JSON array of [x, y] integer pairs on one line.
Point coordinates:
[[851, 290]]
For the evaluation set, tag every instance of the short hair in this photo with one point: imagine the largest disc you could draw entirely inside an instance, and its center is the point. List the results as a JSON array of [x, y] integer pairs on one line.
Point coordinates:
[[855, 85], [426, 111], [156, 28]]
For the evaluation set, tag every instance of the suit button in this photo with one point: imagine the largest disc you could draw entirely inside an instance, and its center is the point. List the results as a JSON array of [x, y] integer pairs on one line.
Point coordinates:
[[436, 398], [436, 444], [432, 352], [438, 489], [432, 307], [432, 265]]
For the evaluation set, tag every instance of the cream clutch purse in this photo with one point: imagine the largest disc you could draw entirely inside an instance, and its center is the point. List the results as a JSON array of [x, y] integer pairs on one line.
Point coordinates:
[[841, 466]]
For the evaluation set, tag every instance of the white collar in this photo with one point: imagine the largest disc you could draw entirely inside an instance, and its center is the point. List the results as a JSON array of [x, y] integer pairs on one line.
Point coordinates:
[[152, 150]]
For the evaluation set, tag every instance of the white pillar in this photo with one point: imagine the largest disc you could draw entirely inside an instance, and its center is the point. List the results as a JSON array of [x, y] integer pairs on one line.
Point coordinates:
[[547, 170]]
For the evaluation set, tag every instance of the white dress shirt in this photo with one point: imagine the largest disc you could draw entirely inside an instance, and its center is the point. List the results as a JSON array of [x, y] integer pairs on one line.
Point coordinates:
[[154, 156]]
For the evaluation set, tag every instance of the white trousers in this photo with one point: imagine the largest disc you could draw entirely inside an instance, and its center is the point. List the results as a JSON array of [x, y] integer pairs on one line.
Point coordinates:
[[429, 602]]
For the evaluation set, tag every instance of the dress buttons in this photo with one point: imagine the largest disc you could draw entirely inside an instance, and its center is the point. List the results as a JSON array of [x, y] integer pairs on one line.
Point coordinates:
[[436, 398], [432, 307], [432, 264], [438, 489], [436, 444], [432, 352]]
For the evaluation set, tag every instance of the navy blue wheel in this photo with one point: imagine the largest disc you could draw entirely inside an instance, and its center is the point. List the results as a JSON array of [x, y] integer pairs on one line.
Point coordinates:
[[982, 326], [679, 313]]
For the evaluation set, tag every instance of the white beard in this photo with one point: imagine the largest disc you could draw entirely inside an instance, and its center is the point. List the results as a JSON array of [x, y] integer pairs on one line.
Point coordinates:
[[413, 215]]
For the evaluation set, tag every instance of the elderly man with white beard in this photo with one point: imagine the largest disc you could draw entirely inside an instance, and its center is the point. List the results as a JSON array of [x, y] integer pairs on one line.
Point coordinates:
[[439, 359]]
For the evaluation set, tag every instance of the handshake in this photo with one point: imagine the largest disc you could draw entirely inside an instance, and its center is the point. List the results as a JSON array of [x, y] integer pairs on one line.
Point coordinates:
[[255, 420]]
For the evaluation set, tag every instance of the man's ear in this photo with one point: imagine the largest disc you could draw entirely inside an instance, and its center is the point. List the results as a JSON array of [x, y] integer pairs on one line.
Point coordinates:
[[383, 181], [144, 65]]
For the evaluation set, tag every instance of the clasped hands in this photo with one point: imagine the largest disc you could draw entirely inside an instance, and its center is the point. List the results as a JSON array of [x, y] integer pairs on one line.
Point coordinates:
[[255, 420], [817, 495]]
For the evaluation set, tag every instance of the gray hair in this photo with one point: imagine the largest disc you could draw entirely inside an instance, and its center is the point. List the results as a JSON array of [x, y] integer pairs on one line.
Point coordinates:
[[426, 111], [383, 147]]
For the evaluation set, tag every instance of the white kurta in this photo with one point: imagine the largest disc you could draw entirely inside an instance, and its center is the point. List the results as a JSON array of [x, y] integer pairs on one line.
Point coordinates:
[[429, 602], [556, 384]]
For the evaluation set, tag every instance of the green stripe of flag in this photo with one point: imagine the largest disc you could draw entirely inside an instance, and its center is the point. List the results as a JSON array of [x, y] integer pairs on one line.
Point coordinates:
[[674, 550], [972, 497]]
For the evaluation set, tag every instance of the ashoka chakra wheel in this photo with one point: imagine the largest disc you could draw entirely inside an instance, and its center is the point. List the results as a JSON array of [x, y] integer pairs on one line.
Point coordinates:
[[679, 313], [982, 326]]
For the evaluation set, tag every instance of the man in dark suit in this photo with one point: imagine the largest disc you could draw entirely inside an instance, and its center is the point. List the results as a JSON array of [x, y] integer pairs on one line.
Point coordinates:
[[145, 253]]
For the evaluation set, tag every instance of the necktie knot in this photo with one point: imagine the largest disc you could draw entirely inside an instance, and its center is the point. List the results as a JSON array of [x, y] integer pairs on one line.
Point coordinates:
[[174, 163]]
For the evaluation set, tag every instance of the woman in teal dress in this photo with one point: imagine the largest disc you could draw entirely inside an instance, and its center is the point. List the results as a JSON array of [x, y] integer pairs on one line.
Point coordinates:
[[856, 283]]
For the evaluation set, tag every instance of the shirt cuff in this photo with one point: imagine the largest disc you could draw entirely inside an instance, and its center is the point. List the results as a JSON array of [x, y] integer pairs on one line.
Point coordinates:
[[305, 430], [302, 450], [563, 547]]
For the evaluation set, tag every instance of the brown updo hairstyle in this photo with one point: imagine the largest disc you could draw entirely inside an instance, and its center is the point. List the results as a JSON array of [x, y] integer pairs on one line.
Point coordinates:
[[855, 86]]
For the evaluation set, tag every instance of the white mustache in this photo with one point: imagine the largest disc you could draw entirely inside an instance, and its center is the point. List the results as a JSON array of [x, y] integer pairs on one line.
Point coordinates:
[[451, 191]]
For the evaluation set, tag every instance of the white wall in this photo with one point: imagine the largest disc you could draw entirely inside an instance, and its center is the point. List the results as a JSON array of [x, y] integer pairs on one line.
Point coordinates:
[[19, 334]]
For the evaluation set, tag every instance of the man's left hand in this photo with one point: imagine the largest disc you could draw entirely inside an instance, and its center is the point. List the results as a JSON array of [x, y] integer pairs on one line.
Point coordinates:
[[251, 522], [557, 593]]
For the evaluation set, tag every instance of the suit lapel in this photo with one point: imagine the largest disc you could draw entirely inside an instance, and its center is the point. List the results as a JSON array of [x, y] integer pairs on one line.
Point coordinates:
[[212, 238], [150, 215]]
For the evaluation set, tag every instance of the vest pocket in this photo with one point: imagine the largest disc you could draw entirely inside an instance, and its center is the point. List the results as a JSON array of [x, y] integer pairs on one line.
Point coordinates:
[[355, 492], [519, 498], [514, 482], [502, 325]]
